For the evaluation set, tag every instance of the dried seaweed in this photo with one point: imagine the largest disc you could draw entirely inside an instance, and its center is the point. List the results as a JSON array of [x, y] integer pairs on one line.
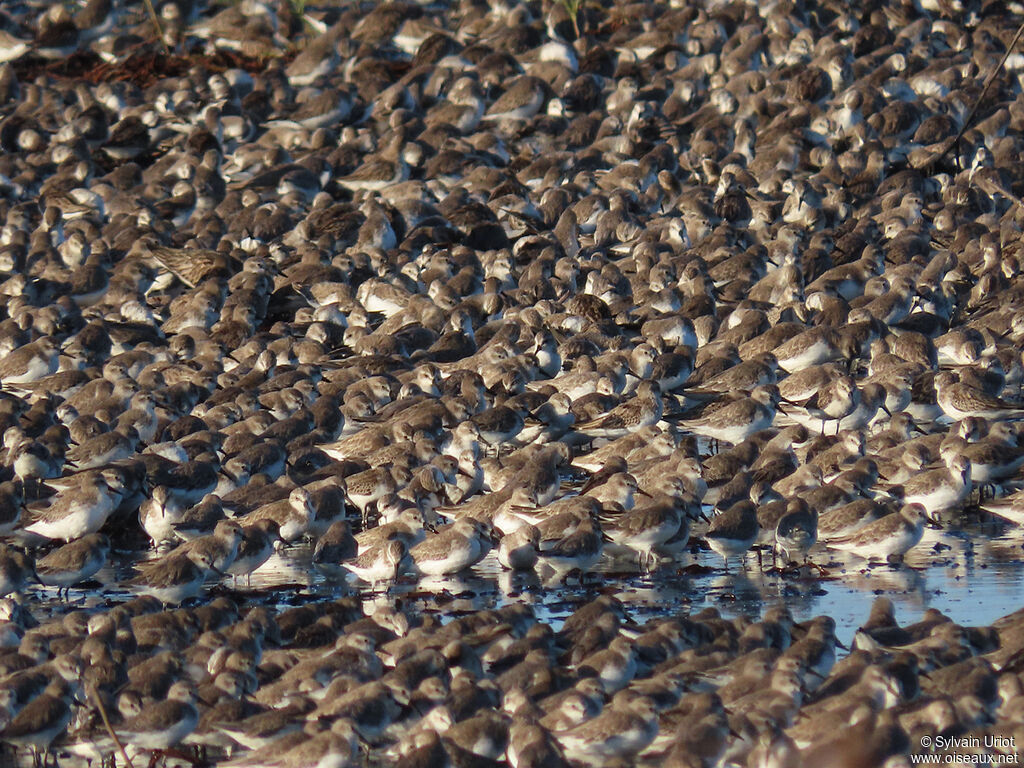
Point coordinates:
[[143, 67]]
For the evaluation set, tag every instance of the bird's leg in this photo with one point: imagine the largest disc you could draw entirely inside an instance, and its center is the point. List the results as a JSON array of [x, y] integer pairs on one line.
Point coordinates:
[[181, 755], [822, 571]]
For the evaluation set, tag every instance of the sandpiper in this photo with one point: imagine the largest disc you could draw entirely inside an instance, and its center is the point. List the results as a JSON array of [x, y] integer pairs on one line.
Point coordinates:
[[16, 568], [366, 488], [74, 562], [576, 547], [452, 549], [645, 409], [848, 519], [960, 401], [620, 488], [337, 746], [12, 47], [890, 537], [797, 532], [646, 528], [620, 731], [157, 515], [733, 531], [812, 347], [77, 511], [408, 526], [736, 421], [942, 489], [221, 546], [199, 519], [292, 515], [265, 727], [829, 405], [382, 563], [255, 548], [30, 362], [996, 456], [104, 449], [42, 720], [174, 578], [190, 265], [12, 498], [336, 545], [163, 724], [518, 550]]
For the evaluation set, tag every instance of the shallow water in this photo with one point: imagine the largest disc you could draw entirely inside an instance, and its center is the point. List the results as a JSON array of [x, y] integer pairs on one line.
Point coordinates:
[[973, 574]]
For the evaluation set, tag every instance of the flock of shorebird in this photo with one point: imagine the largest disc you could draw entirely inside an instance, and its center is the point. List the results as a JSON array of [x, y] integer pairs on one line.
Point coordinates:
[[464, 278]]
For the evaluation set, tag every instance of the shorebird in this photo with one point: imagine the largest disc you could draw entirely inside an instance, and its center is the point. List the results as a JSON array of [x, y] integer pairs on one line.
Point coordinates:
[[848, 519], [643, 410], [157, 515], [648, 527], [255, 548], [42, 720], [797, 532], [734, 422], [337, 544], [163, 724], [12, 48], [200, 519], [943, 489], [12, 499], [30, 362], [334, 747], [620, 731], [996, 456], [74, 562], [835, 400], [384, 562], [733, 531], [408, 526], [518, 550], [33, 462], [575, 545], [221, 546], [960, 401], [366, 488], [191, 265], [890, 537], [174, 578], [16, 568], [292, 515], [267, 726], [452, 549], [77, 511], [812, 347]]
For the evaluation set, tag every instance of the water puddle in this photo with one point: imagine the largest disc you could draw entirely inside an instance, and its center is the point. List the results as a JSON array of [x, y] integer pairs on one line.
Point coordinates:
[[974, 575]]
